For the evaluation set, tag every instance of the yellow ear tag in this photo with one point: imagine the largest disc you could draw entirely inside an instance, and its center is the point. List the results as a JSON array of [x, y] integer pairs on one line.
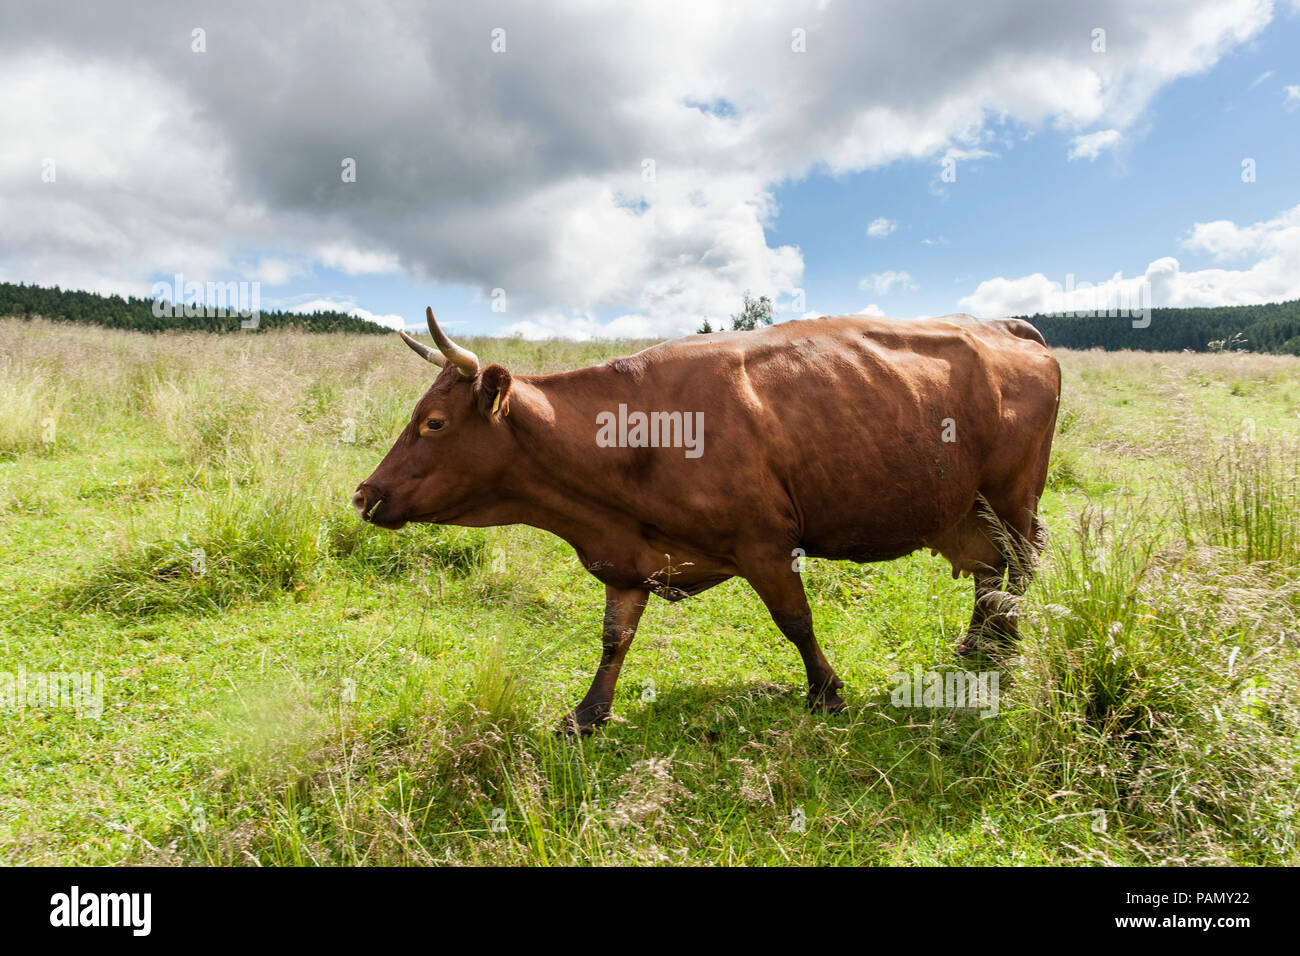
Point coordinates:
[[496, 403]]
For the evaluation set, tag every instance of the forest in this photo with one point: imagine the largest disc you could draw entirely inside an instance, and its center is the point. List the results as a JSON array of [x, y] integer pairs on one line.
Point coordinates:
[[141, 315], [1272, 328]]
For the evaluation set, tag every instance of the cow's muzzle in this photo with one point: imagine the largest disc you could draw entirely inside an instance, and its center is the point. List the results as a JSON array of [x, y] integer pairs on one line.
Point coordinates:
[[374, 507], [366, 501]]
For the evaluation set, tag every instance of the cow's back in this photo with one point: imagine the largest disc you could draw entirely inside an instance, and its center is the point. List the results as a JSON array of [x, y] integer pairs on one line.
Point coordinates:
[[869, 434]]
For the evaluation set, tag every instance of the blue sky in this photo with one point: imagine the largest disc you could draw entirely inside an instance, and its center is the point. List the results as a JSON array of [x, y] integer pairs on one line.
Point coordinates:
[[1030, 209], [524, 171]]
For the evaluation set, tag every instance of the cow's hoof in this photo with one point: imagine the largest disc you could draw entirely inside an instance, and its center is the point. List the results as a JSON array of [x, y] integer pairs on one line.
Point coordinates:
[[571, 726], [828, 702], [988, 645]]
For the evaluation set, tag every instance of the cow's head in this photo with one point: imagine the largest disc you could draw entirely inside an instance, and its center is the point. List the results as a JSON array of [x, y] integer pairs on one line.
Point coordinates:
[[450, 457]]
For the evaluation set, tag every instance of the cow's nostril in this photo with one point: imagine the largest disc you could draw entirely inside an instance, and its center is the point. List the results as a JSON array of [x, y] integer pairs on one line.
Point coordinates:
[[359, 502]]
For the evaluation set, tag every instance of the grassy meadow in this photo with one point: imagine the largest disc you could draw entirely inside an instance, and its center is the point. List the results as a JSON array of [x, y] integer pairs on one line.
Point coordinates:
[[283, 685]]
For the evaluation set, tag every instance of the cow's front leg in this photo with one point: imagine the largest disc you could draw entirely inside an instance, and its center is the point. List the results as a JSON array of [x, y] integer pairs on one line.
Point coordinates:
[[781, 589], [623, 607]]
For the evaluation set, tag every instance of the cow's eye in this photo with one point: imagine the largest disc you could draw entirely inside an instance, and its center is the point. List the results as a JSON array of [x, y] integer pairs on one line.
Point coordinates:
[[434, 424]]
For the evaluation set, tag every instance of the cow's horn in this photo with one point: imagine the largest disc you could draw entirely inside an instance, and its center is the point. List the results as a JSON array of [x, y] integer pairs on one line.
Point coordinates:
[[426, 353], [466, 362]]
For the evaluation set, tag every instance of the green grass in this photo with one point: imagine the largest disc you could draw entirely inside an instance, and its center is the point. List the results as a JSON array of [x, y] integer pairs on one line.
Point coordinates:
[[287, 686]]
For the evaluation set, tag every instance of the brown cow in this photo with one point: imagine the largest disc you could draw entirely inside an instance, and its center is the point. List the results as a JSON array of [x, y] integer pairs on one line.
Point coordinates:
[[849, 438]]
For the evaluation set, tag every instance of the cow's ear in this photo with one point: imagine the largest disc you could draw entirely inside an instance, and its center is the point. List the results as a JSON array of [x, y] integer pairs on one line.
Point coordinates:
[[494, 391]]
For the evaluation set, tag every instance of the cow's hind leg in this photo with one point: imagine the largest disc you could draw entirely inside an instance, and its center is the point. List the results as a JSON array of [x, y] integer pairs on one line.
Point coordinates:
[[781, 589], [999, 552], [623, 608], [994, 621]]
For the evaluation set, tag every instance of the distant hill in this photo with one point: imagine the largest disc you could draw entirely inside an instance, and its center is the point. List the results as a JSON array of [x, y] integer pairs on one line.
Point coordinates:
[[1256, 328], [115, 312]]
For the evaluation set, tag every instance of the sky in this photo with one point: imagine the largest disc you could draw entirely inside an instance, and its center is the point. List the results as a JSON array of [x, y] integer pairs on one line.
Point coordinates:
[[583, 169]]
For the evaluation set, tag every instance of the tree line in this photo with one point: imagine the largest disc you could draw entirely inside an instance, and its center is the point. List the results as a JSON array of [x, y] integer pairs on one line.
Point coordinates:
[[116, 312], [1274, 327]]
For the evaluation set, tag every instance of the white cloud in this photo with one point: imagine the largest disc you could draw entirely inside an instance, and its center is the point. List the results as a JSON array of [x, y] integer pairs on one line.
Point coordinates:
[[959, 154], [881, 227], [1090, 145], [348, 307], [388, 319], [582, 328], [348, 259], [1291, 96], [276, 271], [133, 175], [1023, 296], [872, 309], [1224, 239], [1274, 276], [1260, 79], [881, 282]]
